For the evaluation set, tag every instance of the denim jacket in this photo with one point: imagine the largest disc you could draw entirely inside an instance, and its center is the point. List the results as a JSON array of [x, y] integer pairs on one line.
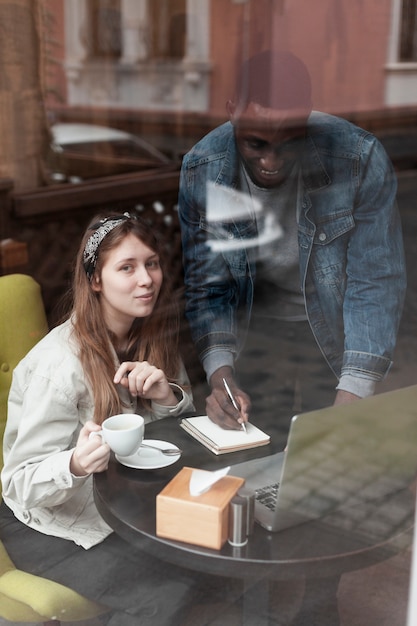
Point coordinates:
[[352, 268]]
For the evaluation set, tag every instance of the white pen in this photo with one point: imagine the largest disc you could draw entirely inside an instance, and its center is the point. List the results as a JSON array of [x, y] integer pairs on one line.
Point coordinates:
[[233, 401]]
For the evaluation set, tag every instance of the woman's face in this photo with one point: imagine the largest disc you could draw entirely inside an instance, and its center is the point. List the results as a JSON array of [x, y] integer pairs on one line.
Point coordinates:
[[129, 285]]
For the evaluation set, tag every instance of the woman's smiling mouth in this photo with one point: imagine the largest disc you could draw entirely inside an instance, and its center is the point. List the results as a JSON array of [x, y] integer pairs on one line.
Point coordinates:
[[145, 297]]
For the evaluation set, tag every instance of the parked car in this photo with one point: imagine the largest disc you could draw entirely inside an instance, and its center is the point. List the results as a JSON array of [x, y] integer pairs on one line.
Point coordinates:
[[83, 151]]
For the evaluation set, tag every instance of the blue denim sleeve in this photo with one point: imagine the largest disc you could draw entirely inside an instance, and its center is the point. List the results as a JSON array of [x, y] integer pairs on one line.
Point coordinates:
[[211, 294], [376, 275]]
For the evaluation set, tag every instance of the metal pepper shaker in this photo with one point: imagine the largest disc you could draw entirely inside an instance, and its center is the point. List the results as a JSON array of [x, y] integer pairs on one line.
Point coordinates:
[[238, 521], [249, 495]]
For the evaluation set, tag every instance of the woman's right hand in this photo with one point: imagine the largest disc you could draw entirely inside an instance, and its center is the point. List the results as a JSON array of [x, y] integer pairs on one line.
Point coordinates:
[[90, 455]]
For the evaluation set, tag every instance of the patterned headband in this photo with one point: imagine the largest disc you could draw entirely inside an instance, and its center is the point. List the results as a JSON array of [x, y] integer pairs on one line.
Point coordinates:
[[101, 230]]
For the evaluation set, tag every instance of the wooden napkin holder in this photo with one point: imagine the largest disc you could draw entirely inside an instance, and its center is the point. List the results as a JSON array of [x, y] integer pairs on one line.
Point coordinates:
[[201, 520]]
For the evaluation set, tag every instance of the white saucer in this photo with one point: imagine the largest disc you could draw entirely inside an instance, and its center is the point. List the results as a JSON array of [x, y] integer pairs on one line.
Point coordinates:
[[145, 458]]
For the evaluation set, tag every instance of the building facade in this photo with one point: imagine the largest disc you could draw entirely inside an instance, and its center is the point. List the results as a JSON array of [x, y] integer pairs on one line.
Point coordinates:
[[181, 55]]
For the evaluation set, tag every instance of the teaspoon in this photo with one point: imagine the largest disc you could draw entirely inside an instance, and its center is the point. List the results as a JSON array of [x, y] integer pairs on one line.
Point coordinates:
[[167, 451]]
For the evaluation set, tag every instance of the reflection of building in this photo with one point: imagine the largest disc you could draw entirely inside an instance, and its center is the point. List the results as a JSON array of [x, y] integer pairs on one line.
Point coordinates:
[[138, 54], [401, 69], [181, 55]]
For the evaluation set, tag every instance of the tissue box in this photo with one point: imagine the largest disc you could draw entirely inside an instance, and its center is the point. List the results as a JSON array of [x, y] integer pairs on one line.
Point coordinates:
[[201, 520]]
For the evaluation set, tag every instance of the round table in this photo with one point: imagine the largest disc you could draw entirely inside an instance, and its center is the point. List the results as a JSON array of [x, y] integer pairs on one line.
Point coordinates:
[[126, 498]]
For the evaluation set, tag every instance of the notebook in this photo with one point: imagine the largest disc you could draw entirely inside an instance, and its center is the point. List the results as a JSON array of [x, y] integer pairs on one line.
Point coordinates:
[[347, 463], [219, 440]]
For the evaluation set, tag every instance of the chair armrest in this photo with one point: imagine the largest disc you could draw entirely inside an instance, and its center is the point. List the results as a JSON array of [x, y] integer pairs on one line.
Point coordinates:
[[47, 598]]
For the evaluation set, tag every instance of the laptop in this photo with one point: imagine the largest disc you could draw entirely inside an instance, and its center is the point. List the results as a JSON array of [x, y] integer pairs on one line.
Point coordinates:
[[351, 464]]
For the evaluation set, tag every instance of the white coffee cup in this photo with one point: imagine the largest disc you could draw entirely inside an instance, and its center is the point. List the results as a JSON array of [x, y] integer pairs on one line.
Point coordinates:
[[123, 433]]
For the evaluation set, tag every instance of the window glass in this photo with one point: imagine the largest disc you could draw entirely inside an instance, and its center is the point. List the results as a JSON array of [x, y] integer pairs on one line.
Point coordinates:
[[291, 251], [167, 28], [408, 45], [105, 28]]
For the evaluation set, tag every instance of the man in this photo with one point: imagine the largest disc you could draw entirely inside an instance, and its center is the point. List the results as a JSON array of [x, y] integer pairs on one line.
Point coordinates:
[[300, 202]]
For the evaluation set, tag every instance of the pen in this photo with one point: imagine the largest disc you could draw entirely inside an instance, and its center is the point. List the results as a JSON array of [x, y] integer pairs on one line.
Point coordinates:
[[232, 400]]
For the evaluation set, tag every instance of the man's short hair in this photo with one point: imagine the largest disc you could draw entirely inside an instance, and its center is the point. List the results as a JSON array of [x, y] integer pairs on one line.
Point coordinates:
[[275, 80]]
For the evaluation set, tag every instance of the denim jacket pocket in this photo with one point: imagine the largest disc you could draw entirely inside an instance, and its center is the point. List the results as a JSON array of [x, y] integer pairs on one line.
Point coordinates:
[[333, 226], [228, 230], [230, 240]]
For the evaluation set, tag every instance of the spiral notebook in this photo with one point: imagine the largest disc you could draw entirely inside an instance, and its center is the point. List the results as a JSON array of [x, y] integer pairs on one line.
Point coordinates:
[[221, 441]]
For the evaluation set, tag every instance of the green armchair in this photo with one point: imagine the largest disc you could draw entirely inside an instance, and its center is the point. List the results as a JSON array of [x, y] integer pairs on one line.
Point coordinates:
[[23, 596]]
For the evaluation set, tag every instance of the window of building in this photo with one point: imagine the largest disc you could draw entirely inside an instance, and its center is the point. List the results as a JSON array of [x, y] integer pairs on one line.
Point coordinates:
[[408, 39], [105, 28], [168, 28]]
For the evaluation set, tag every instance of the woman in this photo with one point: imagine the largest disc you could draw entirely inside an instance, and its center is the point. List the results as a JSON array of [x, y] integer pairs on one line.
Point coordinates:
[[117, 352]]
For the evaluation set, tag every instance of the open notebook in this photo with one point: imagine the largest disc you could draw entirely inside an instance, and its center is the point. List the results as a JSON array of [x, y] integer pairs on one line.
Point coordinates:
[[221, 441]]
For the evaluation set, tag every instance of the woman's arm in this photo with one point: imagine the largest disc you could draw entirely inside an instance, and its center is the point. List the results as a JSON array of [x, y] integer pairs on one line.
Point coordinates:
[[44, 421]]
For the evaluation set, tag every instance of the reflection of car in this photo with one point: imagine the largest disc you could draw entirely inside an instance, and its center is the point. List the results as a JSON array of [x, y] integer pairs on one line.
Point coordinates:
[[82, 151], [230, 205]]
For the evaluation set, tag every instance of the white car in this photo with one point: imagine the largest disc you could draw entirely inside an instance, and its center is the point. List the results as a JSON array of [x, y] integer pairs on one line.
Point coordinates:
[[84, 151]]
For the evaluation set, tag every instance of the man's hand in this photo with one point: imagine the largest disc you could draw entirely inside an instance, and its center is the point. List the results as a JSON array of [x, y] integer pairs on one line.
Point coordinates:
[[345, 397], [219, 407]]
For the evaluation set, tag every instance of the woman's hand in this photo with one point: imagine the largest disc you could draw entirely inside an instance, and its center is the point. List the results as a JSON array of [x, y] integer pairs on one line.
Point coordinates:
[[90, 455], [146, 381]]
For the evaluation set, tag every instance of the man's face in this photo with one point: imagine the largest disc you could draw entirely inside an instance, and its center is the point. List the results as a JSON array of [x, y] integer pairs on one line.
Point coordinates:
[[268, 142]]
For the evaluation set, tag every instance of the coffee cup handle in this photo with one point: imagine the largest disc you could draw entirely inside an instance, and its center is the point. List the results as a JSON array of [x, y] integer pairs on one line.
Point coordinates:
[[97, 433]]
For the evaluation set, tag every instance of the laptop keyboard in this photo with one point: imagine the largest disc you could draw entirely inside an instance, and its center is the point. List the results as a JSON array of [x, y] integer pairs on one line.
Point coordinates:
[[268, 495], [370, 504]]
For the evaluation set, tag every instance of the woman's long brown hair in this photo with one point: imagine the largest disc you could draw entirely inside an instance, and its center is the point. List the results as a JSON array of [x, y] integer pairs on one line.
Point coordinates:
[[153, 338]]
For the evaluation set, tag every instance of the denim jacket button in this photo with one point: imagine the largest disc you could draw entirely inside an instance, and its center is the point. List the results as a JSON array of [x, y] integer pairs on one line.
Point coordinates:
[[322, 237], [230, 236]]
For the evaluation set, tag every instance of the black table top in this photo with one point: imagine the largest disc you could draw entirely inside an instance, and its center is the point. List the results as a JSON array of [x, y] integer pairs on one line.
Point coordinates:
[[125, 498]]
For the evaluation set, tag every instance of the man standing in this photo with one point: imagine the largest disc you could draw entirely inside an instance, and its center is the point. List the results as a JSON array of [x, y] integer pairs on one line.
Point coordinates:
[[300, 206]]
